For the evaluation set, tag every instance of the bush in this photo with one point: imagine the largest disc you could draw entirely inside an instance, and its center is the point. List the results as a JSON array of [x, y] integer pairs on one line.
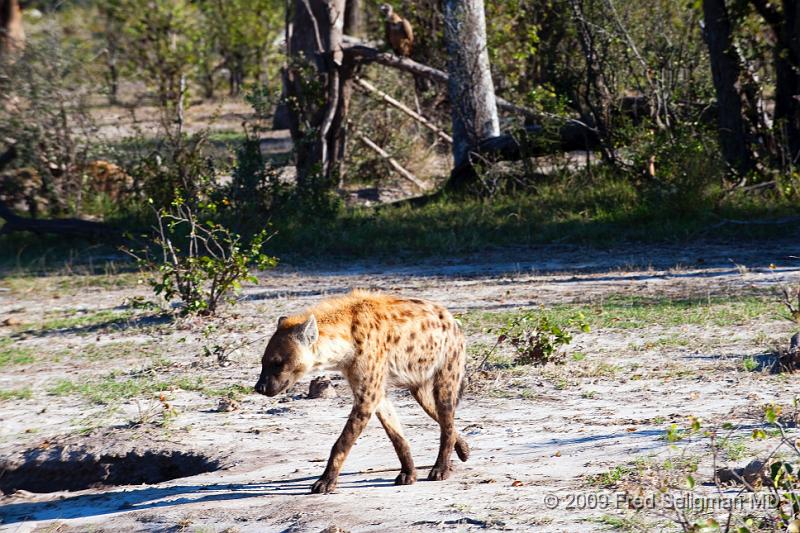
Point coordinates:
[[201, 262], [45, 115], [538, 340]]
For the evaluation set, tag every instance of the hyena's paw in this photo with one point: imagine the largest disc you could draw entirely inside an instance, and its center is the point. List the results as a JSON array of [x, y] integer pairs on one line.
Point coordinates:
[[462, 449], [406, 478], [440, 473], [323, 485]]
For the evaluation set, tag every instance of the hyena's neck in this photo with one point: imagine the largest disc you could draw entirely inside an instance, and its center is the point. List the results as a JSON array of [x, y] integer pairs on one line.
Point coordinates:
[[332, 352]]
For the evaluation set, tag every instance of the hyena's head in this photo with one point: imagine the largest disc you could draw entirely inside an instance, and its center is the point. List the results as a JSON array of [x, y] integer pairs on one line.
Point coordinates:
[[287, 356]]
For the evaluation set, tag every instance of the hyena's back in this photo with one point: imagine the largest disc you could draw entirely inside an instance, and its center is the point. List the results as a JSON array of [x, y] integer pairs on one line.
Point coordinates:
[[408, 340], [421, 340]]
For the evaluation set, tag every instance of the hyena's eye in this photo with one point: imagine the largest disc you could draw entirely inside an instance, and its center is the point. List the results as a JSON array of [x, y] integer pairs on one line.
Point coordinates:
[[274, 366]]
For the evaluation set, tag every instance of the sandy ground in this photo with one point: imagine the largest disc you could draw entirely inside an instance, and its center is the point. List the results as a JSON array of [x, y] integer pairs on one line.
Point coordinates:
[[534, 433]]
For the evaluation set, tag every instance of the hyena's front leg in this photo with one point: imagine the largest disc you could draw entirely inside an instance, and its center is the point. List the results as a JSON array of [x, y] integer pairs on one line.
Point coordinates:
[[388, 417], [359, 416]]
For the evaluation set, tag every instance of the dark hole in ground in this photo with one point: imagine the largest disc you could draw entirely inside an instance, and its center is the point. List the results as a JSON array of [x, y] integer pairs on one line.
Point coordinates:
[[76, 470]]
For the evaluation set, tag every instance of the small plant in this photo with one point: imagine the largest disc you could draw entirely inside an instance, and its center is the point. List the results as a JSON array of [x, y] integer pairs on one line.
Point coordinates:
[[749, 364], [159, 412], [791, 300], [612, 477], [538, 340], [202, 262], [771, 478], [788, 360], [46, 118]]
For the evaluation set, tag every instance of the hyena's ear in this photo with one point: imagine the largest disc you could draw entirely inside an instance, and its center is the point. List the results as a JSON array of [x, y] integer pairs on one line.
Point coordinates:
[[309, 333], [281, 320]]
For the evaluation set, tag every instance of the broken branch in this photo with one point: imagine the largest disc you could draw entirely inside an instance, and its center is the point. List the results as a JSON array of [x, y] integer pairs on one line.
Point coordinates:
[[366, 53], [389, 159], [405, 109]]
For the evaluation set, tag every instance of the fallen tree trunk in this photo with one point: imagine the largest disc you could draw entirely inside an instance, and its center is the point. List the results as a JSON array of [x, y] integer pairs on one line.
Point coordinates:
[[528, 142], [67, 227]]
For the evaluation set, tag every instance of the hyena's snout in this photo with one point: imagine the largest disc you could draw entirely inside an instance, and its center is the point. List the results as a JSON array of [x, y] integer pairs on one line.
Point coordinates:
[[261, 387], [270, 386]]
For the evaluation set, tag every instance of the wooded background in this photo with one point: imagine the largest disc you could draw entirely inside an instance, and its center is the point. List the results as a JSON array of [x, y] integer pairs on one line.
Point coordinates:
[[680, 100]]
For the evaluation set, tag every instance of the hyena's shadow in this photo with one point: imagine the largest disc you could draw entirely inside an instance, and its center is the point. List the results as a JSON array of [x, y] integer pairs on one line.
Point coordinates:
[[301, 486], [155, 497]]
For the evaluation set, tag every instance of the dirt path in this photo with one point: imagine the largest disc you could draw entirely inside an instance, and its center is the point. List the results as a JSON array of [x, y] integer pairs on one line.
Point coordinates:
[[534, 433]]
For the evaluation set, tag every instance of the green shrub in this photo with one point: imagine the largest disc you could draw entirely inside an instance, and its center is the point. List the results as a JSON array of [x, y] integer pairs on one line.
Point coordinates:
[[537, 339], [201, 261]]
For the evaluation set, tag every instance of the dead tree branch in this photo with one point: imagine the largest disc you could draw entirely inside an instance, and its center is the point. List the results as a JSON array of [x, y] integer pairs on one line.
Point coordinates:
[[367, 54], [405, 109], [389, 159]]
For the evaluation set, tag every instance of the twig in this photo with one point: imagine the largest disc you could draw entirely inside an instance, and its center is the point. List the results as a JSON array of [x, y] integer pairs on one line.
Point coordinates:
[[392, 162], [405, 109], [483, 362], [367, 53]]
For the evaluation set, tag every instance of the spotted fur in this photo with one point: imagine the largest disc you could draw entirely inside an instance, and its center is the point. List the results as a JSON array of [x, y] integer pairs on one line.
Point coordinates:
[[376, 341]]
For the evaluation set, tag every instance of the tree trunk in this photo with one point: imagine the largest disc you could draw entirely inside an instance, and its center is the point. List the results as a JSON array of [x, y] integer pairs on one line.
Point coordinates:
[[317, 83], [470, 87], [787, 79], [354, 18], [725, 72], [12, 33]]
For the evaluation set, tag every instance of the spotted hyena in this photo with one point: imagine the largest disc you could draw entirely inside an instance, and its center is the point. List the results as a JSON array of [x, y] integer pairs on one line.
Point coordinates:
[[376, 341]]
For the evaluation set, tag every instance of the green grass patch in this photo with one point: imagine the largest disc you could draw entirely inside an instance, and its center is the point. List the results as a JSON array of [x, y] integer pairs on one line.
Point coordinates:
[[114, 388], [24, 393], [231, 391], [561, 209], [625, 312], [735, 448], [68, 320], [595, 208], [14, 355], [627, 522], [578, 208], [119, 351], [48, 262], [69, 283], [612, 477]]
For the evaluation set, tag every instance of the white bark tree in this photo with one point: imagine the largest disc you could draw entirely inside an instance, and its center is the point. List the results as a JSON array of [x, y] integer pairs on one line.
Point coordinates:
[[474, 108]]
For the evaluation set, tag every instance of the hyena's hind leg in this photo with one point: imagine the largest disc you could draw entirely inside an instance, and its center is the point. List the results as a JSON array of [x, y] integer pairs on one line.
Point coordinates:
[[388, 418], [438, 400], [424, 397]]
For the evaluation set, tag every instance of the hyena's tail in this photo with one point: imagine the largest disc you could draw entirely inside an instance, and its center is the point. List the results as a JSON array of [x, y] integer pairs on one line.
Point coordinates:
[[462, 448], [462, 388]]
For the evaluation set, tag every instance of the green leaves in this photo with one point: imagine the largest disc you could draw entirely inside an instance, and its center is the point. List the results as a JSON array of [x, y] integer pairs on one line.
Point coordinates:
[[771, 413], [203, 262], [536, 339]]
